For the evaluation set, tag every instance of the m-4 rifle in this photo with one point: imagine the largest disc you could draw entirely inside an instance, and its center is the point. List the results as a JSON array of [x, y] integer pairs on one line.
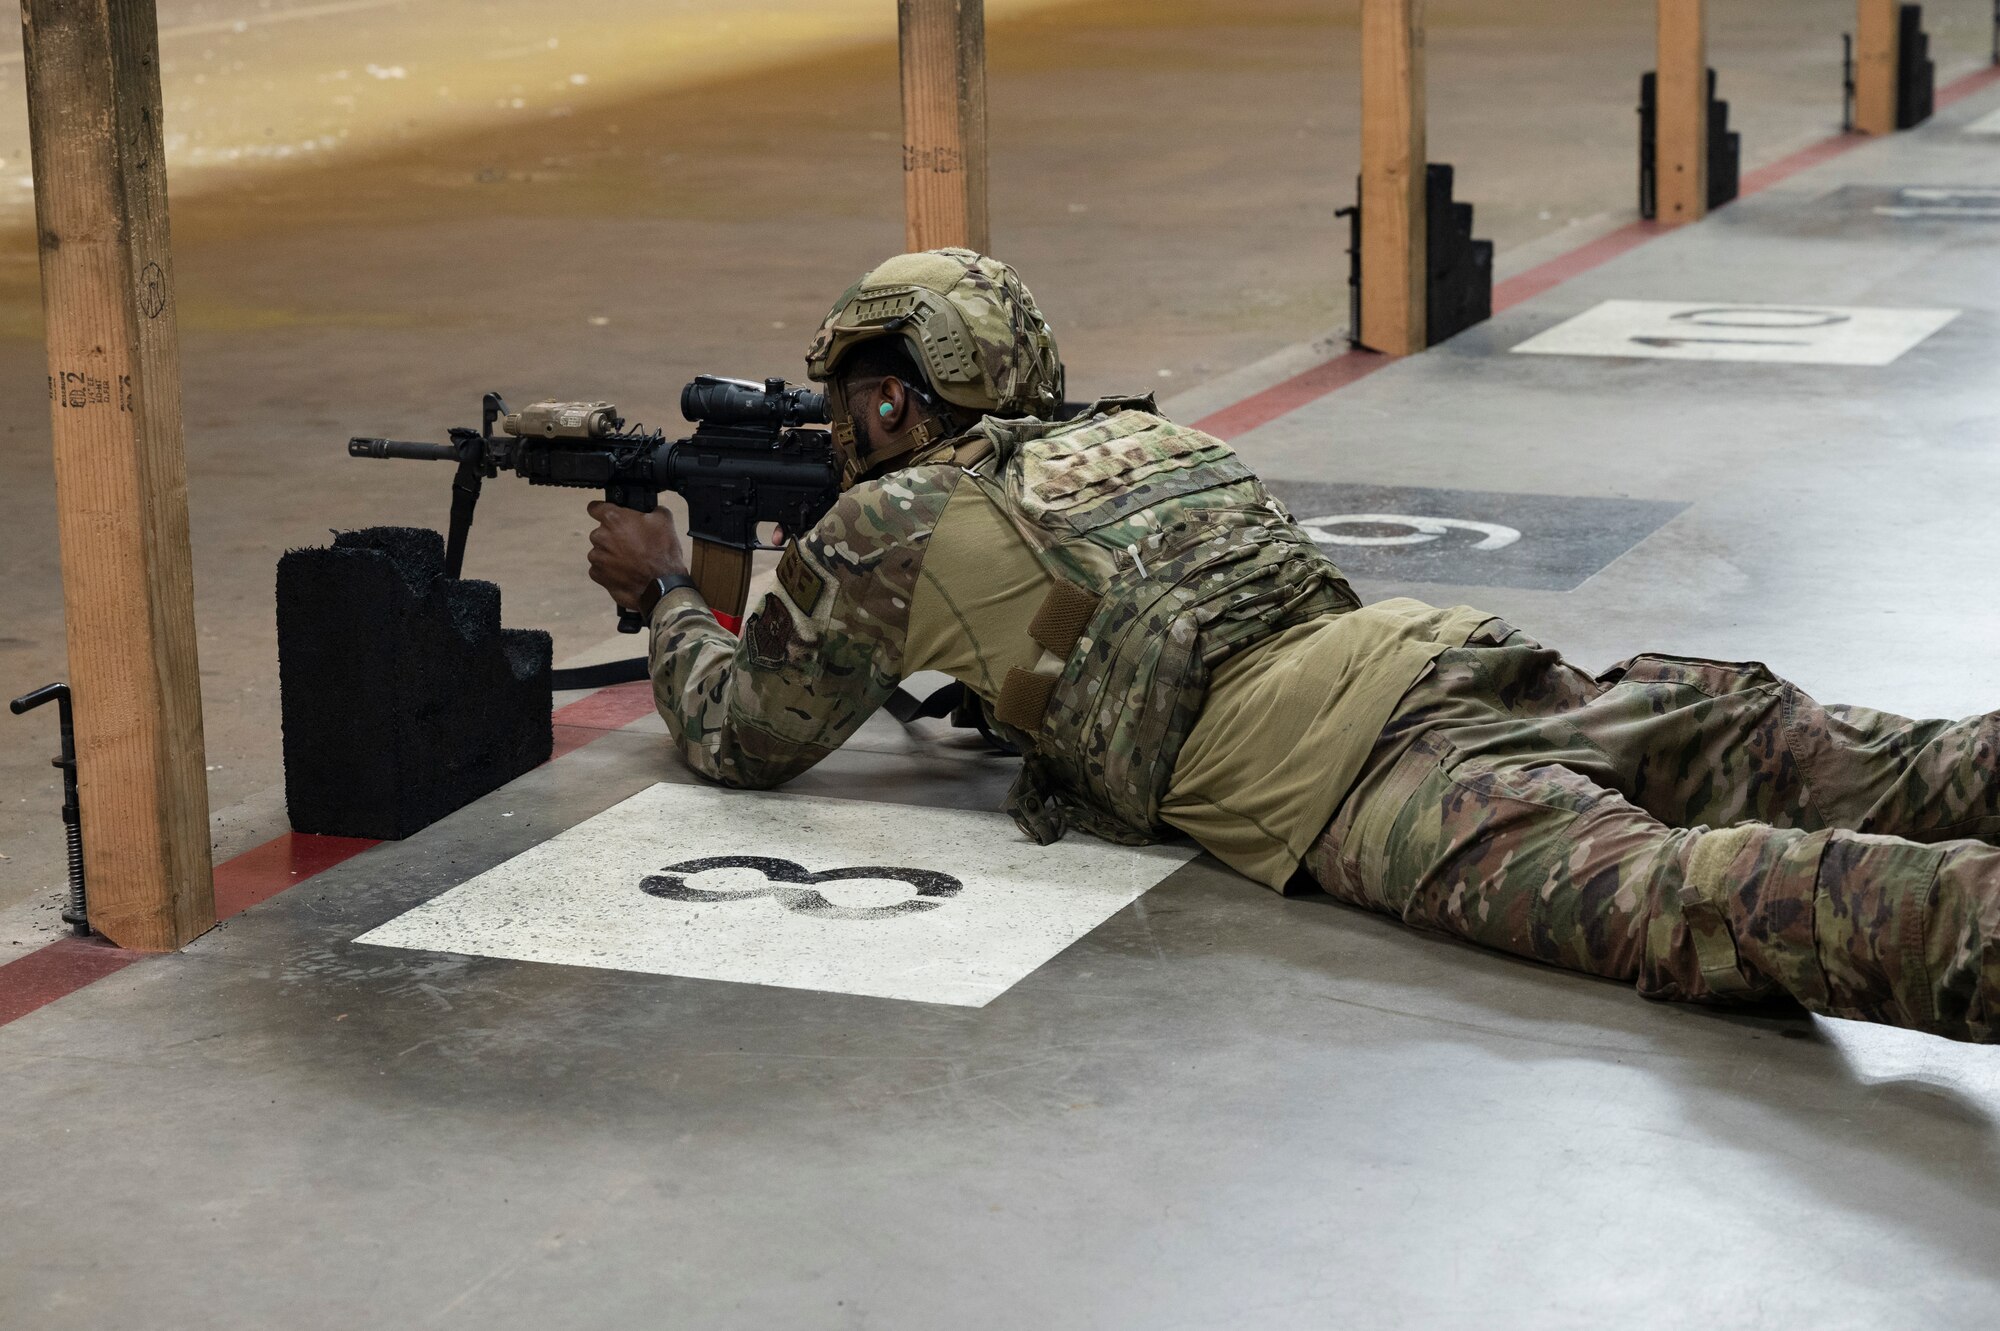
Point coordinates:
[[753, 458]]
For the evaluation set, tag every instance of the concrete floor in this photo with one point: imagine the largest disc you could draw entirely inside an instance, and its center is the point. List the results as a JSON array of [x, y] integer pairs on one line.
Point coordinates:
[[1220, 1108]]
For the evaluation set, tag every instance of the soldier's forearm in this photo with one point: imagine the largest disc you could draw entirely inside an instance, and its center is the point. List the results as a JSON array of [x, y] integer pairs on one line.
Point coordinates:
[[704, 685], [691, 659]]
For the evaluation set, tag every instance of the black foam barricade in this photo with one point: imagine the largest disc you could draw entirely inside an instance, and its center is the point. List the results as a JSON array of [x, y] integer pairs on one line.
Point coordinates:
[[402, 697], [1461, 268], [1458, 269], [1916, 72]]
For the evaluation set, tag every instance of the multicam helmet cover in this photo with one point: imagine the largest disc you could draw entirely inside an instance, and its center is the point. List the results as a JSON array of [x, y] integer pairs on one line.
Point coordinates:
[[966, 318]]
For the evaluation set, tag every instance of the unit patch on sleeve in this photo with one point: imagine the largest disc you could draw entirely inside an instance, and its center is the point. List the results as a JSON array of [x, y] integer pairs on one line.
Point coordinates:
[[772, 633], [801, 581]]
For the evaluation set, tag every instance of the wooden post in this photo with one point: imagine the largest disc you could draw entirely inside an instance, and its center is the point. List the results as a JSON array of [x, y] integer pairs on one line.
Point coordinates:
[[1394, 232], [1877, 37], [944, 123], [1681, 121], [121, 477]]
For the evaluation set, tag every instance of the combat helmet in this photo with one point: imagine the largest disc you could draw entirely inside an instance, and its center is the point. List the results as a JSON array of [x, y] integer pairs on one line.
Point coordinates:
[[967, 320]]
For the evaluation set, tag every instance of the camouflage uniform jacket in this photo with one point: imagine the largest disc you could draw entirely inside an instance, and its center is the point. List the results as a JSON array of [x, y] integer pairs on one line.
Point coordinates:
[[1152, 555]]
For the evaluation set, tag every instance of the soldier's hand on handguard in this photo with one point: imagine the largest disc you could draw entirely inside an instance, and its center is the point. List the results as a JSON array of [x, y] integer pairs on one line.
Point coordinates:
[[629, 550]]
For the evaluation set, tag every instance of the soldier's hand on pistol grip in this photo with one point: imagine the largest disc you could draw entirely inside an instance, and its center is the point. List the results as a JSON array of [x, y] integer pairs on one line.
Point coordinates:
[[629, 550]]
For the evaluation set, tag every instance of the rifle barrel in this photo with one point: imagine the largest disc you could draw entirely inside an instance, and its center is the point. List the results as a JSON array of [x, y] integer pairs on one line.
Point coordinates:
[[395, 448]]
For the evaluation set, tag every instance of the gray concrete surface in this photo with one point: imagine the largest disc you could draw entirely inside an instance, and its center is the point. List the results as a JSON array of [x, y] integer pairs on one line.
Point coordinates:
[[1221, 1109]]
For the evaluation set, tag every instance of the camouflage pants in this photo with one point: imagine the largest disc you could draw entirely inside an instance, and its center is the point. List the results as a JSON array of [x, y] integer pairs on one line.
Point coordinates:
[[1704, 830]]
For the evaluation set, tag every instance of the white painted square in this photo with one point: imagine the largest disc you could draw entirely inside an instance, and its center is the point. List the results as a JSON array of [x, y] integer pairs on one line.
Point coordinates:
[[1722, 331], [978, 906], [1986, 124]]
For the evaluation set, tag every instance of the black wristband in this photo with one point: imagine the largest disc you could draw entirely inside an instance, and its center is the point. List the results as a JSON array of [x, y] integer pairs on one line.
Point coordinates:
[[657, 589]]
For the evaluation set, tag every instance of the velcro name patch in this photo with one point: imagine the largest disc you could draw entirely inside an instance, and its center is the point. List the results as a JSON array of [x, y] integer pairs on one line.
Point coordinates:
[[801, 581]]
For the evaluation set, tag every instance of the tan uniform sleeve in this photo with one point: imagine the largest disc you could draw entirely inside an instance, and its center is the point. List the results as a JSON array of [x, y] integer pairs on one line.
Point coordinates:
[[821, 652], [976, 594]]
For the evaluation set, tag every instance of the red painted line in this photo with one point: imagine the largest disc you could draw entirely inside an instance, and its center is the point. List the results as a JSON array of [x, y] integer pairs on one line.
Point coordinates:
[[1764, 177], [1963, 87], [608, 709], [52, 972], [593, 717], [260, 873], [1284, 398], [1594, 254]]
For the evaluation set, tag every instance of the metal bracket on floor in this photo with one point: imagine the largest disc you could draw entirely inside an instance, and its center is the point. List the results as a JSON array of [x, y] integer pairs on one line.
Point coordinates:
[[1847, 80], [75, 914]]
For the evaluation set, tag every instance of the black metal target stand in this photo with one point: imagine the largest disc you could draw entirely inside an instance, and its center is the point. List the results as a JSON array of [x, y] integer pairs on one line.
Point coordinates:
[[74, 913]]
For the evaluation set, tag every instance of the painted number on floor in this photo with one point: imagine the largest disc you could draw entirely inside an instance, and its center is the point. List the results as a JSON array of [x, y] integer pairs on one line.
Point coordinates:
[[1782, 334], [1368, 529], [795, 887], [798, 891]]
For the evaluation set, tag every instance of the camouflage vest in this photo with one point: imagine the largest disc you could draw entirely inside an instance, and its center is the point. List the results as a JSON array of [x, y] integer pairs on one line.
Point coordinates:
[[1169, 557]]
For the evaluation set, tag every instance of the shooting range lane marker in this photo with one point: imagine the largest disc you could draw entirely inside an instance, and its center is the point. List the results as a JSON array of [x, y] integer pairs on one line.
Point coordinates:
[[795, 891], [1281, 399], [1408, 535], [1330, 530], [1772, 334], [260, 873]]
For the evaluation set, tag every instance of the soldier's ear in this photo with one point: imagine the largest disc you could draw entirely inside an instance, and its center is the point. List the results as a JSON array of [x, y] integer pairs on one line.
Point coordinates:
[[895, 403]]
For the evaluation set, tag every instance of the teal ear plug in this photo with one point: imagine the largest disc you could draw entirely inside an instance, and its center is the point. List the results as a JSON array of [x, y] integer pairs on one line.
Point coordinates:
[[885, 409]]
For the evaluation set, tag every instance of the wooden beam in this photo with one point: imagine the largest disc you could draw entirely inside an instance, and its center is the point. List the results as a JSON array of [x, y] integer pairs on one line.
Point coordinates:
[[121, 476], [943, 46], [1394, 233], [1877, 36], [1681, 134]]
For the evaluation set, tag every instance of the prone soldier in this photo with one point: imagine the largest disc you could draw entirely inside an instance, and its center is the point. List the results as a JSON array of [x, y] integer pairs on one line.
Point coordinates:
[[1168, 650]]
